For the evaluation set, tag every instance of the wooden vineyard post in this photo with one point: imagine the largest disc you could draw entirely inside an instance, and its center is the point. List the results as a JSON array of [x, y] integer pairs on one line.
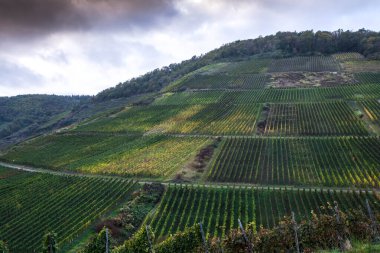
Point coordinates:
[[376, 237], [245, 237], [295, 227], [107, 247], [220, 246], [203, 237], [344, 243], [147, 228]]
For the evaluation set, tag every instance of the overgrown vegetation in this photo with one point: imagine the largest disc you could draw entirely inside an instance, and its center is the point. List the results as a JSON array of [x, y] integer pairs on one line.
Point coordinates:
[[127, 220], [330, 229]]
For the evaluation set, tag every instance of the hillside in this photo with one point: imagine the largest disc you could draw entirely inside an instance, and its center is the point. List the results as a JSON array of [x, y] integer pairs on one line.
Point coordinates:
[[28, 115], [243, 132]]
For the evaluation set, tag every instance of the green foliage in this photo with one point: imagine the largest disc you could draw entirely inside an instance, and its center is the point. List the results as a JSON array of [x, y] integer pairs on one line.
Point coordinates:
[[184, 242], [351, 92], [49, 243], [28, 115], [328, 161], [98, 243], [310, 63], [3, 247], [139, 243], [131, 155], [132, 214], [322, 231], [36, 203], [217, 208]]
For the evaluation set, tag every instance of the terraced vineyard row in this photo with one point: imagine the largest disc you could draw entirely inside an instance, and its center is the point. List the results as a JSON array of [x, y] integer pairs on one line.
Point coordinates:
[[225, 82], [184, 98], [218, 208], [138, 119], [272, 205], [253, 66], [332, 118], [372, 109], [33, 203], [351, 92], [308, 63], [368, 78], [213, 119], [341, 161], [348, 56], [147, 157]]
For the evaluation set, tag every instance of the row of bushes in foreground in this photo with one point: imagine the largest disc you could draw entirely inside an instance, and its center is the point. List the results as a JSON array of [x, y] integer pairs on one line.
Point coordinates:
[[330, 230]]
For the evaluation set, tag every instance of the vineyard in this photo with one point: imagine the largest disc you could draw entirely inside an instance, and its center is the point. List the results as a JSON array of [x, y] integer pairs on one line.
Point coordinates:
[[219, 208], [310, 63], [343, 161], [249, 139], [333, 118], [351, 92], [372, 109], [351, 56], [215, 119], [368, 78], [244, 81], [147, 157], [273, 204], [361, 66], [33, 203]]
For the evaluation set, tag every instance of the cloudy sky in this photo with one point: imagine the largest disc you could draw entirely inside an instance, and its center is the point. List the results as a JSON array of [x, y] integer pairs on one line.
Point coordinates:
[[84, 46]]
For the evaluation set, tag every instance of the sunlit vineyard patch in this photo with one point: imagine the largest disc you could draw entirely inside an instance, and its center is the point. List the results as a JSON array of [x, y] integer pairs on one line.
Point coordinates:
[[213, 119], [372, 110], [136, 156], [33, 203], [343, 161], [361, 66], [350, 56], [184, 98], [138, 119]]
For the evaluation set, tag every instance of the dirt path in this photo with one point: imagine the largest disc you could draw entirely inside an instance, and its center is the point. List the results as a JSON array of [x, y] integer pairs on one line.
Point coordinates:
[[208, 184]]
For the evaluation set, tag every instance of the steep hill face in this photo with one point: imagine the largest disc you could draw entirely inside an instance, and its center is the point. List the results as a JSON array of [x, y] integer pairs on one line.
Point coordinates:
[[25, 116]]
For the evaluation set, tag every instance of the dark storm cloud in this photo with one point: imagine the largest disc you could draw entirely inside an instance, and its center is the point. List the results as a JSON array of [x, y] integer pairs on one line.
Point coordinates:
[[40, 17]]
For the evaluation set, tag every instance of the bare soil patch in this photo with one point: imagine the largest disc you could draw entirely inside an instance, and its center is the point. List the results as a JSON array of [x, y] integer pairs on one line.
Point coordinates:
[[310, 79]]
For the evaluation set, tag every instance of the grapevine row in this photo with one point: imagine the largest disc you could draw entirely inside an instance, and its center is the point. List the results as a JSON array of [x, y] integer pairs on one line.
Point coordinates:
[[333, 118], [66, 204], [309, 63], [351, 92], [217, 208], [338, 161]]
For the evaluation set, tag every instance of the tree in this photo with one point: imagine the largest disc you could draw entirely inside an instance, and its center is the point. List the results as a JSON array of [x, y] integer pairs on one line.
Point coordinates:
[[50, 242]]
